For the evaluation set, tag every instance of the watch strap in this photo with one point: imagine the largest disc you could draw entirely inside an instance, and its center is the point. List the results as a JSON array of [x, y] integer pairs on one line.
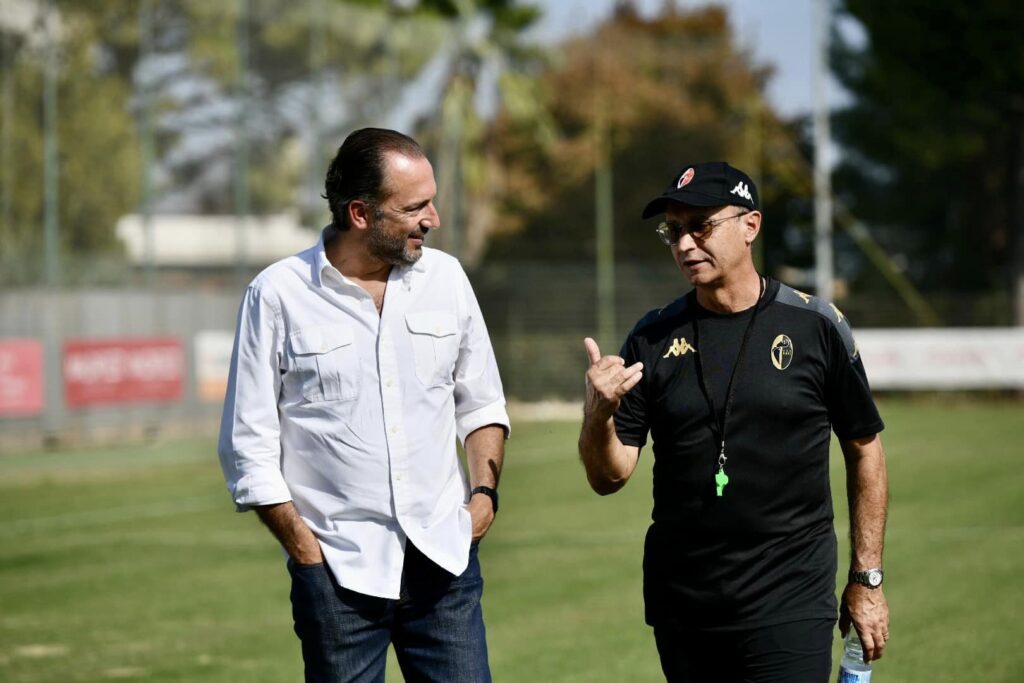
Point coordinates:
[[869, 578], [489, 492]]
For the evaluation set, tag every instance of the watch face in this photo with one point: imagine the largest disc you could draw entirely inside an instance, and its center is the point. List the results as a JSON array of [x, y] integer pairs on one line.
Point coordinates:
[[875, 578]]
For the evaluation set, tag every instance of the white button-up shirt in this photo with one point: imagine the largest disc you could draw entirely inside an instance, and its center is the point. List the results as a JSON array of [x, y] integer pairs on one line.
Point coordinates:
[[353, 415]]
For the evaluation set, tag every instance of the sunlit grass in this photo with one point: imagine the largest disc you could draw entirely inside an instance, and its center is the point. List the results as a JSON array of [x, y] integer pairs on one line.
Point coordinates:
[[129, 563]]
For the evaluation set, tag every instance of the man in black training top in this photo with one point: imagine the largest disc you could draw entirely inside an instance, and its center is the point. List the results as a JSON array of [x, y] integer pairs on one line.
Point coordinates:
[[740, 383]]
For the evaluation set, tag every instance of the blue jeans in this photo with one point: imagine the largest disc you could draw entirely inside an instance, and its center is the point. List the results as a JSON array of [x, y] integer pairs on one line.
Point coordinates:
[[436, 625]]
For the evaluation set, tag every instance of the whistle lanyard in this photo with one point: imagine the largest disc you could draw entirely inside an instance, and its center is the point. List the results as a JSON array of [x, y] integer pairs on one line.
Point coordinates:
[[718, 425]]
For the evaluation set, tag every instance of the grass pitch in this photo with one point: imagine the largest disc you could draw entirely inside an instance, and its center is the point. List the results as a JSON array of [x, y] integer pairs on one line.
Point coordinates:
[[129, 564]]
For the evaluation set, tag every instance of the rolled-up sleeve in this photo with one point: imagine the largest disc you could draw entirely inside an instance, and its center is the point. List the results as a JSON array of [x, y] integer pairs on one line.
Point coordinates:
[[249, 445], [479, 397]]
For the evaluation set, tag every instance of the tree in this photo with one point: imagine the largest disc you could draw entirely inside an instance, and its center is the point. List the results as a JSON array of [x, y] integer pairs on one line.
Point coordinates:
[[314, 69], [281, 81], [98, 165], [484, 61], [932, 136], [667, 91]]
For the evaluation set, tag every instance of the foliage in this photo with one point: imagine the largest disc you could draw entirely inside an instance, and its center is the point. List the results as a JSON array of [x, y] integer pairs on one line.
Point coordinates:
[[933, 135], [320, 68], [98, 163], [485, 60], [667, 91], [249, 100], [312, 71]]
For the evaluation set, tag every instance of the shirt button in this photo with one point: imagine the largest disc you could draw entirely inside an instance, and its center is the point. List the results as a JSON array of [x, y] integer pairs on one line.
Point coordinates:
[[398, 477], [388, 384]]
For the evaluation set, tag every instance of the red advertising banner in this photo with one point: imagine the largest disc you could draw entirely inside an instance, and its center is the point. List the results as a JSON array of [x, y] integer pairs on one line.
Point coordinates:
[[21, 377], [125, 370]]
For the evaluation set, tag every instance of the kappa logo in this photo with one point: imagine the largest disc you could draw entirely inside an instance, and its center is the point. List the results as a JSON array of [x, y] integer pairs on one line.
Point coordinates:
[[680, 347], [839, 315], [782, 352], [742, 190], [805, 297], [685, 179]]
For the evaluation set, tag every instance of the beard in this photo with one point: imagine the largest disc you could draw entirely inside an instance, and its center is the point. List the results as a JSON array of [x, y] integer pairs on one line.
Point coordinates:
[[393, 248]]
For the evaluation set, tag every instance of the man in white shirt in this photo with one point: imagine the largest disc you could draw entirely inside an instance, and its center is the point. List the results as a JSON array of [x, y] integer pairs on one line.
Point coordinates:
[[356, 364]]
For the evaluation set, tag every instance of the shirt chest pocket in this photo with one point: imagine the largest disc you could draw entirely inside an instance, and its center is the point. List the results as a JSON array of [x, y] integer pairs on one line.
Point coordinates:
[[435, 345], [326, 363]]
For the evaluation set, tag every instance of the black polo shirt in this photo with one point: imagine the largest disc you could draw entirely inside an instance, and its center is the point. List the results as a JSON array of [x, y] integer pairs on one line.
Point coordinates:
[[765, 551]]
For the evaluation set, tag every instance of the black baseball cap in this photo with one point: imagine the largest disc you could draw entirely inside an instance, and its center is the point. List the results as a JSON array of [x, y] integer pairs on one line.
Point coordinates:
[[713, 183]]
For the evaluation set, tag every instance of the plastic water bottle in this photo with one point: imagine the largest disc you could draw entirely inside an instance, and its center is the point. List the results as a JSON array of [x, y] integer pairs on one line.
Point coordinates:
[[852, 668]]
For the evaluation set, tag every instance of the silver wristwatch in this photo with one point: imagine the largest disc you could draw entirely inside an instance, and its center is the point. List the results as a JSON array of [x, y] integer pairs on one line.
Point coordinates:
[[870, 578]]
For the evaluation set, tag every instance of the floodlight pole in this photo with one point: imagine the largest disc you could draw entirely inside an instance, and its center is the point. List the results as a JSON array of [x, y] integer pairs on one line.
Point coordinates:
[[6, 179], [146, 139], [51, 181], [242, 142], [1017, 211], [317, 43], [754, 146], [604, 232], [822, 173]]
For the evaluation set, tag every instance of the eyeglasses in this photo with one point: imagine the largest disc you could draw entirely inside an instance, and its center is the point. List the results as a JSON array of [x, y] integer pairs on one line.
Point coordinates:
[[670, 232]]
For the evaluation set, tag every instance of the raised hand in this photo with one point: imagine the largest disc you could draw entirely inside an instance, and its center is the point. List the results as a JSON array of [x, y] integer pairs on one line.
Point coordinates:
[[608, 380]]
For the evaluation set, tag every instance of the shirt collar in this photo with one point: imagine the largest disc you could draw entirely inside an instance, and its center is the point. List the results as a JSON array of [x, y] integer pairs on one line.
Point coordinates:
[[320, 263]]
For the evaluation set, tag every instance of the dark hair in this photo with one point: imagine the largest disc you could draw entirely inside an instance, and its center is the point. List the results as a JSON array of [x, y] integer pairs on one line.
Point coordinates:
[[358, 169]]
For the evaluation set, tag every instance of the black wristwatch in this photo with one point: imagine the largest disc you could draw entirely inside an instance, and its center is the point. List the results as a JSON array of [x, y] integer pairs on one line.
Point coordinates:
[[489, 492], [869, 578]]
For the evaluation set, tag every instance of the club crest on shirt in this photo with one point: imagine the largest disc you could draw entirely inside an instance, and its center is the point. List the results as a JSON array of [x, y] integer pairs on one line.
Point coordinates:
[[680, 347], [782, 352]]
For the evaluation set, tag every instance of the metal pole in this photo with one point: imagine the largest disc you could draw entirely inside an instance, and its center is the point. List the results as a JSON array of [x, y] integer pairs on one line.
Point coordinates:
[[6, 179], [317, 44], [146, 139], [605, 233], [51, 225], [1017, 211], [454, 110], [754, 144], [822, 173], [242, 143]]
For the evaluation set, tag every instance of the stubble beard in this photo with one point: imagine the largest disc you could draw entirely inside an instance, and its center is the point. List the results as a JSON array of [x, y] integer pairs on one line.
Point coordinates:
[[392, 248]]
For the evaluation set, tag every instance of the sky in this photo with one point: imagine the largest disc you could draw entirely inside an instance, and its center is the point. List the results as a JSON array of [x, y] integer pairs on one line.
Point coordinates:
[[777, 32]]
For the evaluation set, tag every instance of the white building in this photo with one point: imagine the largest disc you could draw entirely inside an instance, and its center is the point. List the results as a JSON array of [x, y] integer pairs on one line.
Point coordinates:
[[185, 241]]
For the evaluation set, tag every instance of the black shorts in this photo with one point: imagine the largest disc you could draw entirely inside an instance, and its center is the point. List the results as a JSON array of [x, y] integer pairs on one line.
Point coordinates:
[[799, 651]]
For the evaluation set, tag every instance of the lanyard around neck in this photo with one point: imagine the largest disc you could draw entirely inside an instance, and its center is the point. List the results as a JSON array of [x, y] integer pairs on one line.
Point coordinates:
[[718, 425]]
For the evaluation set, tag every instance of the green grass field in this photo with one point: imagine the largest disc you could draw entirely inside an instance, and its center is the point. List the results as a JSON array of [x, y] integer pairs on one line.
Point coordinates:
[[129, 564]]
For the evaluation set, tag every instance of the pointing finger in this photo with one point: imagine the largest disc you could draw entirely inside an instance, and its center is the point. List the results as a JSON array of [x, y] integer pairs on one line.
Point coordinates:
[[593, 352]]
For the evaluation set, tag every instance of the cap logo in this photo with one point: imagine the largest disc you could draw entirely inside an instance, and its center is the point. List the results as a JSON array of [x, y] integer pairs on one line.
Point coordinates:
[[742, 190], [685, 179]]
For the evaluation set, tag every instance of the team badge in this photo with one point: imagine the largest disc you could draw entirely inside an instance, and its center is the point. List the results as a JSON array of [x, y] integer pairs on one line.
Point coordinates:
[[685, 179], [782, 352]]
